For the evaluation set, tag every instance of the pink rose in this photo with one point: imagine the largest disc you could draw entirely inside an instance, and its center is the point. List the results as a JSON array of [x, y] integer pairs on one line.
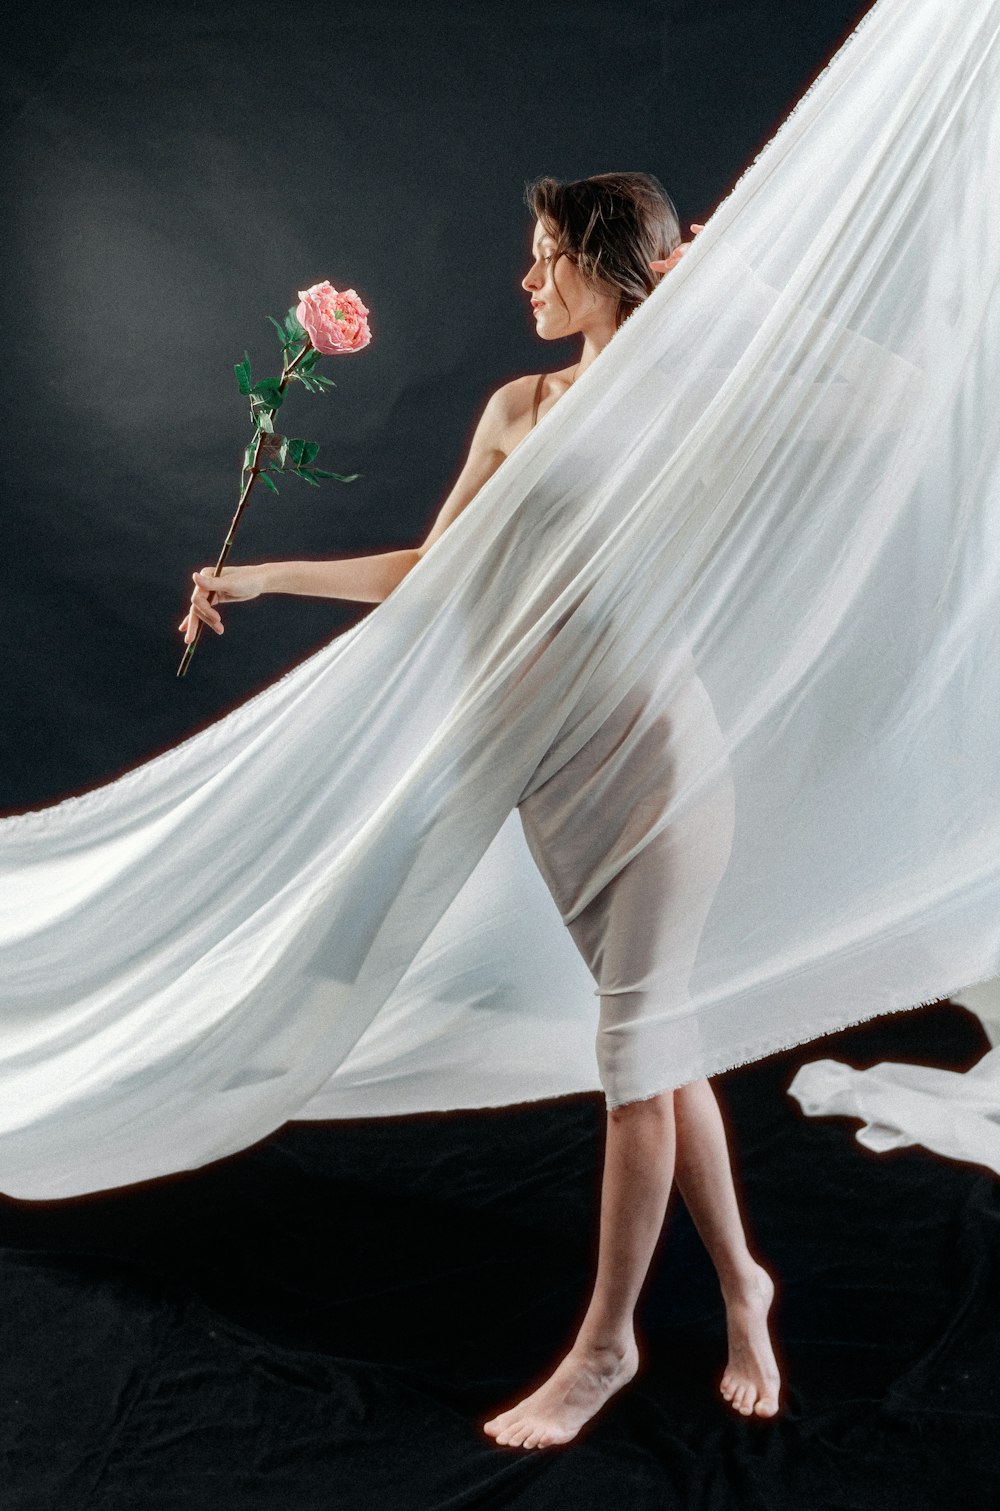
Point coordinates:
[[335, 322]]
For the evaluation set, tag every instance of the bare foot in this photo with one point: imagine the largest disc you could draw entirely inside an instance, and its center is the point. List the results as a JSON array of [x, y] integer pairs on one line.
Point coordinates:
[[588, 1376], [751, 1381]]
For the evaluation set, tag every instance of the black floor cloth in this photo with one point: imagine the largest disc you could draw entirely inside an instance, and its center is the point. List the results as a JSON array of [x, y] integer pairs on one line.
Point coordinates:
[[324, 1321]]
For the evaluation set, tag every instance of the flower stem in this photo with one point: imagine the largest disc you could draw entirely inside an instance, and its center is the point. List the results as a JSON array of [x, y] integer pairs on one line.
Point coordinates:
[[287, 368]]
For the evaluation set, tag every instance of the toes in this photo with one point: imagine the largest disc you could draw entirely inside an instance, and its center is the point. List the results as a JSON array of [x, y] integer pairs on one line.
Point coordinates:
[[748, 1398], [498, 1424], [744, 1399], [517, 1434]]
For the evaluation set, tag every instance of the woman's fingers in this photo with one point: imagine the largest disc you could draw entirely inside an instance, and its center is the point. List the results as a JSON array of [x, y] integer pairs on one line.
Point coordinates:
[[216, 625], [664, 264], [203, 610], [231, 584], [200, 604], [188, 623], [210, 615], [206, 581], [208, 612]]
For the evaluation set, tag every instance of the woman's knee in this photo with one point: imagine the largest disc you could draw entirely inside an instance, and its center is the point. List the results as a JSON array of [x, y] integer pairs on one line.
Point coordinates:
[[658, 1108], [693, 1093]]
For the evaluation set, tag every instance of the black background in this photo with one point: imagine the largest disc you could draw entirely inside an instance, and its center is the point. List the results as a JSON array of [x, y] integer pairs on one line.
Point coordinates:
[[325, 1319]]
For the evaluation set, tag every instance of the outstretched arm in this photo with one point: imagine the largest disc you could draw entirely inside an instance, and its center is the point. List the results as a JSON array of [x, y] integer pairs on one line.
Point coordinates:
[[365, 579]]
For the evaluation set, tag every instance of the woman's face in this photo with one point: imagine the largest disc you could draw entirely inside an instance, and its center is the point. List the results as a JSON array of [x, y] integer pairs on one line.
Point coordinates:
[[546, 279]]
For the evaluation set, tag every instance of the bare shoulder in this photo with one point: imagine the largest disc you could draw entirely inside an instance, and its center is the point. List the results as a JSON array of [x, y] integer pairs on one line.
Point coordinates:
[[507, 410], [504, 422], [507, 416]]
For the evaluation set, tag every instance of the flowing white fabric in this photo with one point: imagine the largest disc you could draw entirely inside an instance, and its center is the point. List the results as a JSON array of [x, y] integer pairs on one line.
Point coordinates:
[[708, 672], [951, 1112]]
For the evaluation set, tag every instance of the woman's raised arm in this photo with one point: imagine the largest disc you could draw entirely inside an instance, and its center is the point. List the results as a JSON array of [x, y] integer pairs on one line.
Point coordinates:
[[365, 579]]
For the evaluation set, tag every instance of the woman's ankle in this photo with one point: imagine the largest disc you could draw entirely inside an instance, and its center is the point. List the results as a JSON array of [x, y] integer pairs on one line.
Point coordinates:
[[742, 1277], [611, 1337]]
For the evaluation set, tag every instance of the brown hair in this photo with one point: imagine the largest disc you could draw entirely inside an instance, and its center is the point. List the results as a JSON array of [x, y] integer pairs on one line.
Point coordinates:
[[612, 226]]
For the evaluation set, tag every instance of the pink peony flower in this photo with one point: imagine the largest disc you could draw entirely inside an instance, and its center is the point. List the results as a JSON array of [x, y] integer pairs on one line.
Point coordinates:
[[336, 322]]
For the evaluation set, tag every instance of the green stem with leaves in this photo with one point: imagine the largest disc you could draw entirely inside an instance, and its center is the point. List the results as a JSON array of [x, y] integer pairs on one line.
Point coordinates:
[[287, 368]]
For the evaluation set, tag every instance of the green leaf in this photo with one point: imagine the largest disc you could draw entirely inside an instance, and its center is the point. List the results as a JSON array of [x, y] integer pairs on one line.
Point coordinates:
[[309, 361], [306, 475], [309, 383], [296, 331], [327, 382], [282, 337], [265, 479], [295, 449], [269, 390], [283, 452], [248, 456], [263, 420], [309, 450], [242, 371], [275, 468], [340, 476]]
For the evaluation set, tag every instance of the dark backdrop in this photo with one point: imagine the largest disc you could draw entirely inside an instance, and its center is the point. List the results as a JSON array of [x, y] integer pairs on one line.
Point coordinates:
[[325, 1319], [176, 172]]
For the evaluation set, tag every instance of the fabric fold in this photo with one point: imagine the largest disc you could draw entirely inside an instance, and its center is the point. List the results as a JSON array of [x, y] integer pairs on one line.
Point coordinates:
[[950, 1112], [762, 525]]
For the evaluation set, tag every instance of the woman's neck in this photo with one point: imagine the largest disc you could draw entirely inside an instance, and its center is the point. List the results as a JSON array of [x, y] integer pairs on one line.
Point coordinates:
[[594, 342]]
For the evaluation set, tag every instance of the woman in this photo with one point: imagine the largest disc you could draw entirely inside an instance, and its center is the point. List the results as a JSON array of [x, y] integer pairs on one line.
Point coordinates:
[[598, 246]]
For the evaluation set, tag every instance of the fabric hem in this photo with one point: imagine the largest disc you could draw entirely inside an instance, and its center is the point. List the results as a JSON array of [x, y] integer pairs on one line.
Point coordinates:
[[747, 1055]]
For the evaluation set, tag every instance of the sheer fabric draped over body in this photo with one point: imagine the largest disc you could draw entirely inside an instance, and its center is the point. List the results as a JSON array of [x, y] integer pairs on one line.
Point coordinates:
[[639, 932], [692, 710]]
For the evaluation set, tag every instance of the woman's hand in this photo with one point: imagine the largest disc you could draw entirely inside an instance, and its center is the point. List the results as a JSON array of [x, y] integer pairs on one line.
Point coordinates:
[[234, 583], [664, 264]]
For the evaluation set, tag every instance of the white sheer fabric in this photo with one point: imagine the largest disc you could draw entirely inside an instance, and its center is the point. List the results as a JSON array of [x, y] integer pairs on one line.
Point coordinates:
[[953, 1113], [718, 647]]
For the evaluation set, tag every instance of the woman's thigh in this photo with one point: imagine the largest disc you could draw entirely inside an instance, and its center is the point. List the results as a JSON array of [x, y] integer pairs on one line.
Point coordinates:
[[640, 936], [640, 933]]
